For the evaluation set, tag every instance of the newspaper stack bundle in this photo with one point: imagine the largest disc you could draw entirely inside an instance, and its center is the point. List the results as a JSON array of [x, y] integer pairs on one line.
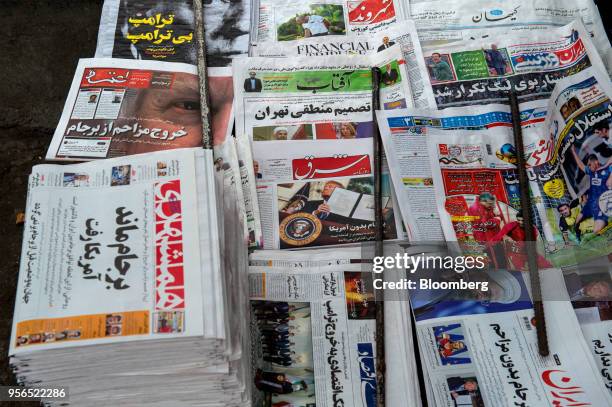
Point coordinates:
[[313, 331], [120, 290]]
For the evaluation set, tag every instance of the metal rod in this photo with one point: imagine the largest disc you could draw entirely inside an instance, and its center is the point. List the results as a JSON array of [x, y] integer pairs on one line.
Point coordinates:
[[378, 249], [207, 141], [532, 260]]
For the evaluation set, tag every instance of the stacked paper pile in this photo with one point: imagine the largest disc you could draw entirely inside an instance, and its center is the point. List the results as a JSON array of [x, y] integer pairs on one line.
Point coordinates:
[[120, 290]]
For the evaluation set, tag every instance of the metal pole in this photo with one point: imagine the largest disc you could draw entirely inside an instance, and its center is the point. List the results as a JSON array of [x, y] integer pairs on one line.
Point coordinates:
[[532, 262], [207, 141], [378, 249]]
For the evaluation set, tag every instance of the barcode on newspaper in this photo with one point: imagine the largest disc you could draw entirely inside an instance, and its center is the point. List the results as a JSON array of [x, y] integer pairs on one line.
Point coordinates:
[[527, 323], [257, 285]]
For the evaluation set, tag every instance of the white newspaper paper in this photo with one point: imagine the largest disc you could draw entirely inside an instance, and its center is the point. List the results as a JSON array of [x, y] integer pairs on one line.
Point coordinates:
[[484, 71], [484, 352], [290, 22], [404, 35], [118, 251], [313, 328], [325, 107], [441, 22], [405, 133]]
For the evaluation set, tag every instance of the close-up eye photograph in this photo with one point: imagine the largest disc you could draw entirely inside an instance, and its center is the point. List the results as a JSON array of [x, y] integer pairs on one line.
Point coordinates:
[[318, 203]]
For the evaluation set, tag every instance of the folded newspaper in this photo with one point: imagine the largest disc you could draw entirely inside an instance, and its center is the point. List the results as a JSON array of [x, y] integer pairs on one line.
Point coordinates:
[[405, 133], [444, 21], [589, 286], [482, 350], [310, 122], [161, 30], [119, 107], [287, 23], [484, 71], [313, 332], [120, 282]]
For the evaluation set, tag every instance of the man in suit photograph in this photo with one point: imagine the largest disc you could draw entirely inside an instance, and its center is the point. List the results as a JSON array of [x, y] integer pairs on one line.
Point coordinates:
[[252, 84], [386, 44], [389, 76]]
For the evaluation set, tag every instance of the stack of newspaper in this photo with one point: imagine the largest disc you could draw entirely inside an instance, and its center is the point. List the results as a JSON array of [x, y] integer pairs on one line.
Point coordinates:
[[120, 288]]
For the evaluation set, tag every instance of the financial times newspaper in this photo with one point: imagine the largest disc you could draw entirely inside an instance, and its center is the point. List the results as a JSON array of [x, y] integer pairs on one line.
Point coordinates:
[[441, 22], [119, 250], [403, 35], [482, 350], [119, 107], [313, 102], [480, 72], [404, 134], [163, 30], [290, 22], [312, 329]]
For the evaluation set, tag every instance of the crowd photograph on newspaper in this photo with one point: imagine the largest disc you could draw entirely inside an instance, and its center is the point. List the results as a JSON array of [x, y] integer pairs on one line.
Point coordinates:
[[273, 203]]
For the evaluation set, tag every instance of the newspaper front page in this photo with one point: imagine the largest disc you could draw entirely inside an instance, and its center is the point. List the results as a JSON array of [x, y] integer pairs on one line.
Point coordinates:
[[147, 30], [589, 287], [404, 35], [324, 106], [161, 30], [93, 274], [442, 22], [404, 134], [478, 199], [290, 23], [482, 350], [574, 180], [119, 107], [480, 72], [313, 329]]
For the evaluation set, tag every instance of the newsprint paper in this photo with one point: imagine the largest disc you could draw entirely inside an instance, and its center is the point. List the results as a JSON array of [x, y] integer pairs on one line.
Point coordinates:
[[300, 114], [403, 35], [484, 71], [312, 329], [405, 133], [290, 23], [119, 107], [443, 21], [482, 350], [120, 286]]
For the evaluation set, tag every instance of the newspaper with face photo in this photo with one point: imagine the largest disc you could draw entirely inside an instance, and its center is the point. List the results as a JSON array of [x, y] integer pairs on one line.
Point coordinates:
[[163, 30], [404, 134], [403, 35], [119, 107], [575, 177], [322, 193], [479, 72], [478, 198], [589, 287], [316, 103], [312, 328], [443, 22], [480, 348], [288, 23]]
